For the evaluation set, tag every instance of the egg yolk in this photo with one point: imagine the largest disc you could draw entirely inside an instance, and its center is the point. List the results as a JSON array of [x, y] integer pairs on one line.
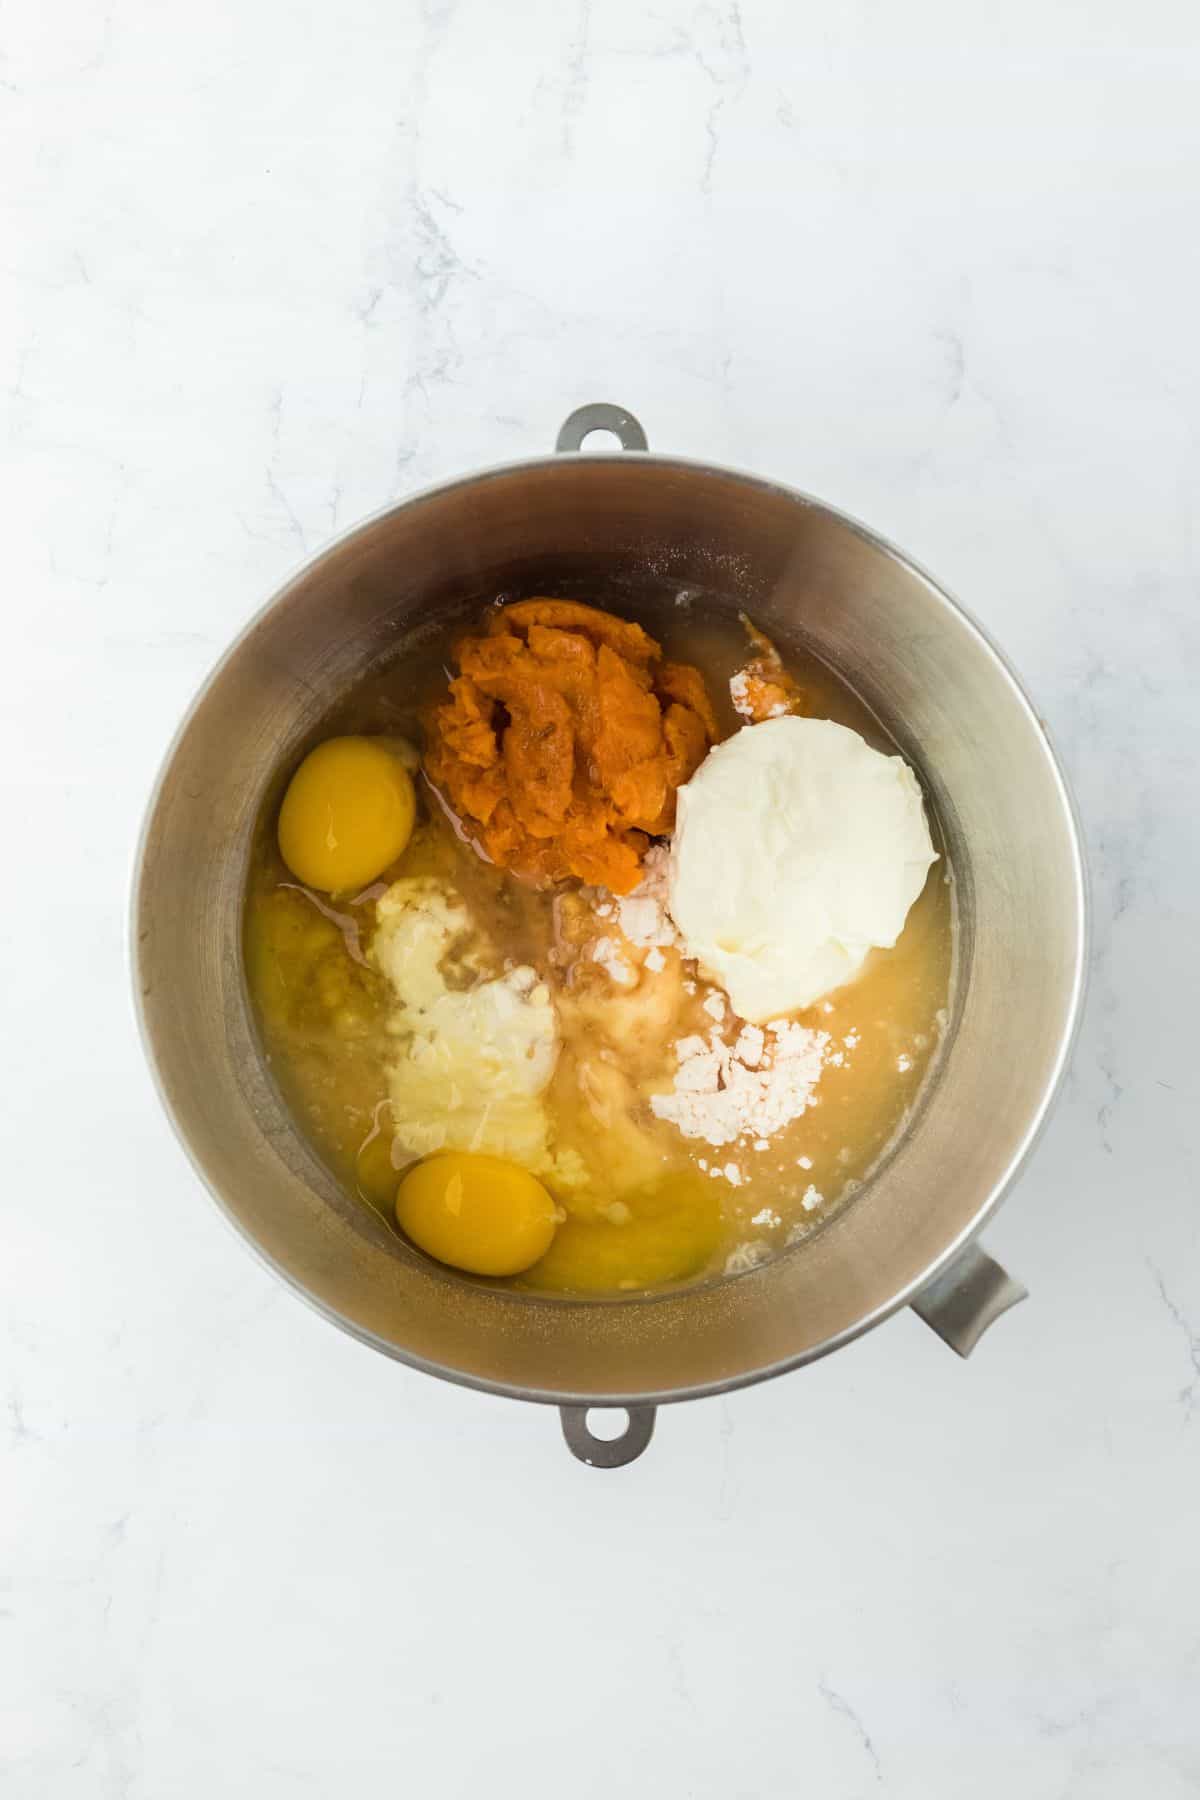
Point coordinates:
[[477, 1213], [348, 813], [666, 1232]]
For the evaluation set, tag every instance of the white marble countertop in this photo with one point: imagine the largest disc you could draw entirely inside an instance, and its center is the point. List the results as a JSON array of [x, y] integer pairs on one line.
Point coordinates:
[[265, 268]]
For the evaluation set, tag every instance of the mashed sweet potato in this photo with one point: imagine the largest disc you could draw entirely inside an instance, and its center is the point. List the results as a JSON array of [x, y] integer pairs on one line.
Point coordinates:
[[563, 741]]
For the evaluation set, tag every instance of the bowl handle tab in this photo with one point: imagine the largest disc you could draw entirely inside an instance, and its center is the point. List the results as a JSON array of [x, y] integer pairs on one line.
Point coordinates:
[[607, 1453], [601, 417], [967, 1297]]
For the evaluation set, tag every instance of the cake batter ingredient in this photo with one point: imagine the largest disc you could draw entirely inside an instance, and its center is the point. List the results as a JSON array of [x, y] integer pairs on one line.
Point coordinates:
[[564, 740], [347, 814], [749, 1089], [643, 915], [475, 1047], [823, 847], [478, 1213], [762, 688]]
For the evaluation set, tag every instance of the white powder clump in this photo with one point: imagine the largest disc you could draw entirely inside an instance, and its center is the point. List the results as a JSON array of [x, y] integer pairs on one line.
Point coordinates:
[[639, 918], [714, 1005], [811, 1199], [607, 952], [720, 1096], [643, 915], [655, 960], [739, 693]]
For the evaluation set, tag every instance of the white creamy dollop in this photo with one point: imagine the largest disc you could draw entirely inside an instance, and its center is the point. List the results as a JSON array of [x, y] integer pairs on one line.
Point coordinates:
[[797, 850], [474, 1059]]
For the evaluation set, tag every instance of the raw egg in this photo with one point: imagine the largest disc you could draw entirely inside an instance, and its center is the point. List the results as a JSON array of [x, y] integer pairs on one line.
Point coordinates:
[[348, 813], [477, 1213]]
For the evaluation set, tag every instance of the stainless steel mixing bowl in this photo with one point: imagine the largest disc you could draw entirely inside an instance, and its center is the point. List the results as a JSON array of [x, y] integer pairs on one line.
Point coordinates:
[[613, 525]]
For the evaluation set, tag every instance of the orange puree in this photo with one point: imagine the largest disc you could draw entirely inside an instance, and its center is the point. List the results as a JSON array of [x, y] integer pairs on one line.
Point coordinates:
[[563, 741], [763, 688]]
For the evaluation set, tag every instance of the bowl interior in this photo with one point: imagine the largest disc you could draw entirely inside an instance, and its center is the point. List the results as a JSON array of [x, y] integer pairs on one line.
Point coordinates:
[[633, 530]]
